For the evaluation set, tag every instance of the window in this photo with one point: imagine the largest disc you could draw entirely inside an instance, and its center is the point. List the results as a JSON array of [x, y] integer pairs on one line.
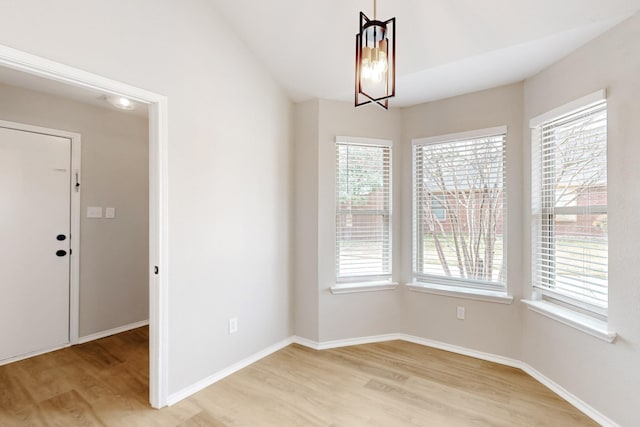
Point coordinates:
[[459, 204], [569, 207], [438, 210], [363, 210]]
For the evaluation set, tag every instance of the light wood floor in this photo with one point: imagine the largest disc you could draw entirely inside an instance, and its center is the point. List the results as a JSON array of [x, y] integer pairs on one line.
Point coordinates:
[[104, 383]]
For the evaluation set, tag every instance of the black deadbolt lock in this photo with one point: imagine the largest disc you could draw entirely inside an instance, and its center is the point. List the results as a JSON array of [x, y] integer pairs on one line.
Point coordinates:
[[61, 237], [61, 252]]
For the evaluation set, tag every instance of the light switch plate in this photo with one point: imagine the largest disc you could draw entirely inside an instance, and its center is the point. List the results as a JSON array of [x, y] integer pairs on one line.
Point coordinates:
[[109, 212], [94, 212]]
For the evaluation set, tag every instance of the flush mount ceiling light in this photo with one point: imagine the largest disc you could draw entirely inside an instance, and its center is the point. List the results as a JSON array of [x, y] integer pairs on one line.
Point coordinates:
[[375, 61], [121, 102]]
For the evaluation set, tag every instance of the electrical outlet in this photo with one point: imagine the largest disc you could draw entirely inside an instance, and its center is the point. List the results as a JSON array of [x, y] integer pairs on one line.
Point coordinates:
[[460, 313], [233, 325]]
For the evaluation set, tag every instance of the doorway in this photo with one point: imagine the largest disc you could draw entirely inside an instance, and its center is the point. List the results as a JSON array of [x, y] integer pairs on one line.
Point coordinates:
[[158, 225]]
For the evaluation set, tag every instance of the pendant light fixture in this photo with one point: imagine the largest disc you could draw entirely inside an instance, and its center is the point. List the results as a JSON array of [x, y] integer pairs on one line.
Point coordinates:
[[375, 61]]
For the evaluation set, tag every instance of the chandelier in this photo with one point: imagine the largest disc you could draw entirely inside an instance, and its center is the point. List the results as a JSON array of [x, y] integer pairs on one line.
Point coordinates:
[[375, 61]]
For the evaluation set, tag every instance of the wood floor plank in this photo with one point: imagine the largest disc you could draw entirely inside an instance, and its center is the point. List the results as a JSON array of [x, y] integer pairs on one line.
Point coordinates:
[[43, 381], [105, 383], [97, 354], [69, 409], [25, 416], [203, 419], [13, 393]]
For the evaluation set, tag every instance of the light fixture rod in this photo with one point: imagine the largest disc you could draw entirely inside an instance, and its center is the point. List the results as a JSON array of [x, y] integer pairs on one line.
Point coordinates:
[[374, 9]]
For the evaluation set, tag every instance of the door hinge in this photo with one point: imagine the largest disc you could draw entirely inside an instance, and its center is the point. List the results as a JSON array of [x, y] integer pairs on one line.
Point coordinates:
[[156, 270]]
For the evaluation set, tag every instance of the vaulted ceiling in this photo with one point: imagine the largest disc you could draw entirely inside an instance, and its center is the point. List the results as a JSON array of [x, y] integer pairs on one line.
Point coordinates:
[[445, 47]]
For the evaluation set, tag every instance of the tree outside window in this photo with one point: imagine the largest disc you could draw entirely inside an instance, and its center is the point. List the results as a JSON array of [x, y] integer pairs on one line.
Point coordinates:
[[459, 200]]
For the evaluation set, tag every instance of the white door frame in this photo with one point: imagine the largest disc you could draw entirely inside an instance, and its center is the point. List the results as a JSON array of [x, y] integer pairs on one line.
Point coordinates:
[[74, 241], [158, 207]]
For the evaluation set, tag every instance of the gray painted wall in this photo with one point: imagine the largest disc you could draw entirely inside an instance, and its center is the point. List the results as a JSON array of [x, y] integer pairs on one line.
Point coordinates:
[[335, 317], [369, 313], [229, 168], [489, 327], [607, 376], [114, 281], [306, 220]]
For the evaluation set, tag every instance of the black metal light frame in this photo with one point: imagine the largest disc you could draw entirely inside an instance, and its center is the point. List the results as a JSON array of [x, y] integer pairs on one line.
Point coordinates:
[[388, 30]]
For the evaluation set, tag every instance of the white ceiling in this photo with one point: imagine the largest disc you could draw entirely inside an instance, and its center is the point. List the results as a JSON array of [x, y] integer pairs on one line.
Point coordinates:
[[445, 47]]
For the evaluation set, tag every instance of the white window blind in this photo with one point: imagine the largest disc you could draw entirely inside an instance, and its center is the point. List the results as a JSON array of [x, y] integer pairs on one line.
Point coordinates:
[[363, 212], [569, 205], [459, 203]]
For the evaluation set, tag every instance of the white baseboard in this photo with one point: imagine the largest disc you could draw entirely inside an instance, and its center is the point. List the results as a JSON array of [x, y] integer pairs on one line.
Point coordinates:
[[501, 360], [194, 388], [409, 338], [552, 385], [585, 408], [34, 354], [305, 342], [325, 345], [113, 331]]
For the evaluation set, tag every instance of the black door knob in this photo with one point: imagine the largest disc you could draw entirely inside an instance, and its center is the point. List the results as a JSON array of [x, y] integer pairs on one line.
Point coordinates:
[[61, 252], [61, 237]]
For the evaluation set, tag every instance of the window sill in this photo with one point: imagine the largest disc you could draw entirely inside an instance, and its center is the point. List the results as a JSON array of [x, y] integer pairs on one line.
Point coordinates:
[[582, 322], [352, 288], [466, 293]]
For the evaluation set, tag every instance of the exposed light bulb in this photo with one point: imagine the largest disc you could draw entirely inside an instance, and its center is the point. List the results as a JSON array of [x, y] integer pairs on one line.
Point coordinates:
[[374, 64], [374, 61]]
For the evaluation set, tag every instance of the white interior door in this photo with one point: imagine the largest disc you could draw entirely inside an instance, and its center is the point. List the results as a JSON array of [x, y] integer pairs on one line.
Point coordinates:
[[35, 174]]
